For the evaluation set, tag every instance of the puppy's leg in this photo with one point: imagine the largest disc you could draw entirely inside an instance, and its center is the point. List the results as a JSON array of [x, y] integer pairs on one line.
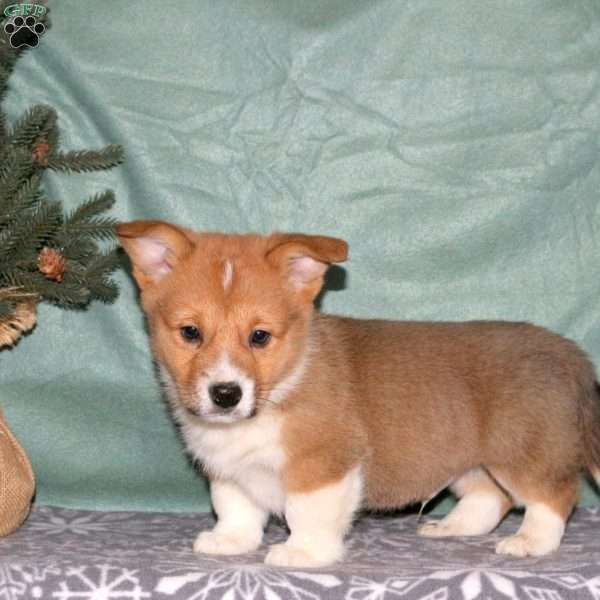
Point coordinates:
[[481, 507], [547, 508], [318, 521], [240, 524]]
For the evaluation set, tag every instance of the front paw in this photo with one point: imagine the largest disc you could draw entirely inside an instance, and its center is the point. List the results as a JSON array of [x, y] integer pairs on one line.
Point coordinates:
[[522, 545], [213, 542], [288, 555]]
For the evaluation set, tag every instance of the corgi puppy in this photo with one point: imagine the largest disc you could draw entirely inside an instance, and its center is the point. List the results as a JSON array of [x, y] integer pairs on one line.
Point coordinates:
[[314, 417]]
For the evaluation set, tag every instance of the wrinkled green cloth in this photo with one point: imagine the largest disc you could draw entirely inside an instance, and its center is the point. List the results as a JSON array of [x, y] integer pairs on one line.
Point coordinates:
[[453, 144]]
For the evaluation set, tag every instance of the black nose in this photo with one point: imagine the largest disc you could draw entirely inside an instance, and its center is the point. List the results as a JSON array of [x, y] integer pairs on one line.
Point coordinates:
[[225, 394]]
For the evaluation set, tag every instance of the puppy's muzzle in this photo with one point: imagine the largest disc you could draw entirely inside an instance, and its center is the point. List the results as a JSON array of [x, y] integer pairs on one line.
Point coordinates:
[[225, 394]]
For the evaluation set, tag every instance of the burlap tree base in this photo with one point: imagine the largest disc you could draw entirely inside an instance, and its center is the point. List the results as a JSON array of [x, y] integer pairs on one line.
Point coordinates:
[[17, 483]]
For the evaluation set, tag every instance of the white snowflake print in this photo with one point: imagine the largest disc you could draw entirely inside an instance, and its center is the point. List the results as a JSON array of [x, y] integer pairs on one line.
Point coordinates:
[[100, 583], [66, 521], [246, 583], [20, 582], [65, 554], [363, 588]]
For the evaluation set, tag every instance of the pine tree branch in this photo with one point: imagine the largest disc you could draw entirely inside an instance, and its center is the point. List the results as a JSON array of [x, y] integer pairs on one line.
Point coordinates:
[[10, 163], [87, 160], [25, 281], [77, 250], [25, 197], [84, 223], [43, 253], [27, 261], [15, 169], [101, 287], [102, 265], [6, 308], [68, 292], [31, 230], [53, 139], [6, 67], [36, 124], [101, 228], [91, 208], [104, 290], [3, 124], [95, 273]]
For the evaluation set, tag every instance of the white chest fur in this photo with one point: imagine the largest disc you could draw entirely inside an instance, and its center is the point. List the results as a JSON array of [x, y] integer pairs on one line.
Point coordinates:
[[248, 452]]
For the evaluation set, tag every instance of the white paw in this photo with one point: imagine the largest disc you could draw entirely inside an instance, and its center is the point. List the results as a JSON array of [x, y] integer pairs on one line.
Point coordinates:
[[523, 545], [212, 542], [445, 528], [286, 555], [436, 529]]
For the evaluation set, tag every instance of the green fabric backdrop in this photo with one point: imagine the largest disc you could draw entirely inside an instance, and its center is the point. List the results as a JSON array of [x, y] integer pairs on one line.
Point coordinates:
[[453, 144]]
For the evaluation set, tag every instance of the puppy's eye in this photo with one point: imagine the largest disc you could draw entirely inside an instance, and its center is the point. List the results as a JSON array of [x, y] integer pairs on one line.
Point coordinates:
[[259, 338], [190, 333]]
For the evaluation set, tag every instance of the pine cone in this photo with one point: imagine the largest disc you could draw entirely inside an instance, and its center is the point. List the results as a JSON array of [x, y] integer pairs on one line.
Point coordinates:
[[40, 152], [52, 264], [22, 319]]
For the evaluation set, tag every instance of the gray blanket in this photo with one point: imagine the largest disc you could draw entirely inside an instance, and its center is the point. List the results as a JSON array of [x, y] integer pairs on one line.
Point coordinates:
[[71, 554]]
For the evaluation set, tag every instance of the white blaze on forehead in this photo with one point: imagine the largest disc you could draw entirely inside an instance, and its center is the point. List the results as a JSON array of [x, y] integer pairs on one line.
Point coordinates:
[[227, 274], [223, 370]]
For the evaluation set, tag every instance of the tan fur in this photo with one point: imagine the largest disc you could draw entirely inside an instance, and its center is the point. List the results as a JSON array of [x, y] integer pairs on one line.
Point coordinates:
[[415, 405], [446, 397]]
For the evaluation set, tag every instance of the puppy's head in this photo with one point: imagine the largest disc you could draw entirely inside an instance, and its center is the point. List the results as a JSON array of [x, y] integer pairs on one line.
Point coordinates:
[[228, 314]]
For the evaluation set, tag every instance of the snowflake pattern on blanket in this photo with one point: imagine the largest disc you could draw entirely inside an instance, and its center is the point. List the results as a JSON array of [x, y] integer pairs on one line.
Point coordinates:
[[63, 554]]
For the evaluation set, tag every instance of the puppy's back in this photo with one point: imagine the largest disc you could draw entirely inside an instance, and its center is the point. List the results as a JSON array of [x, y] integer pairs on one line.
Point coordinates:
[[437, 399]]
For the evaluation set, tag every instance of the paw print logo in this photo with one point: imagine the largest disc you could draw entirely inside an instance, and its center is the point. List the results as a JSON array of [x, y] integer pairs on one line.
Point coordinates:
[[24, 32]]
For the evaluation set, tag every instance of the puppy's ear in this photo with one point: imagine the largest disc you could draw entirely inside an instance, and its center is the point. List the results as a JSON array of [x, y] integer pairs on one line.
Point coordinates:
[[304, 259], [154, 248]]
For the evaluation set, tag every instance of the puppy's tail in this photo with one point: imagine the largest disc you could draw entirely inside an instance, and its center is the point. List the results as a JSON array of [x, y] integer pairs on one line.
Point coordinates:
[[590, 422]]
